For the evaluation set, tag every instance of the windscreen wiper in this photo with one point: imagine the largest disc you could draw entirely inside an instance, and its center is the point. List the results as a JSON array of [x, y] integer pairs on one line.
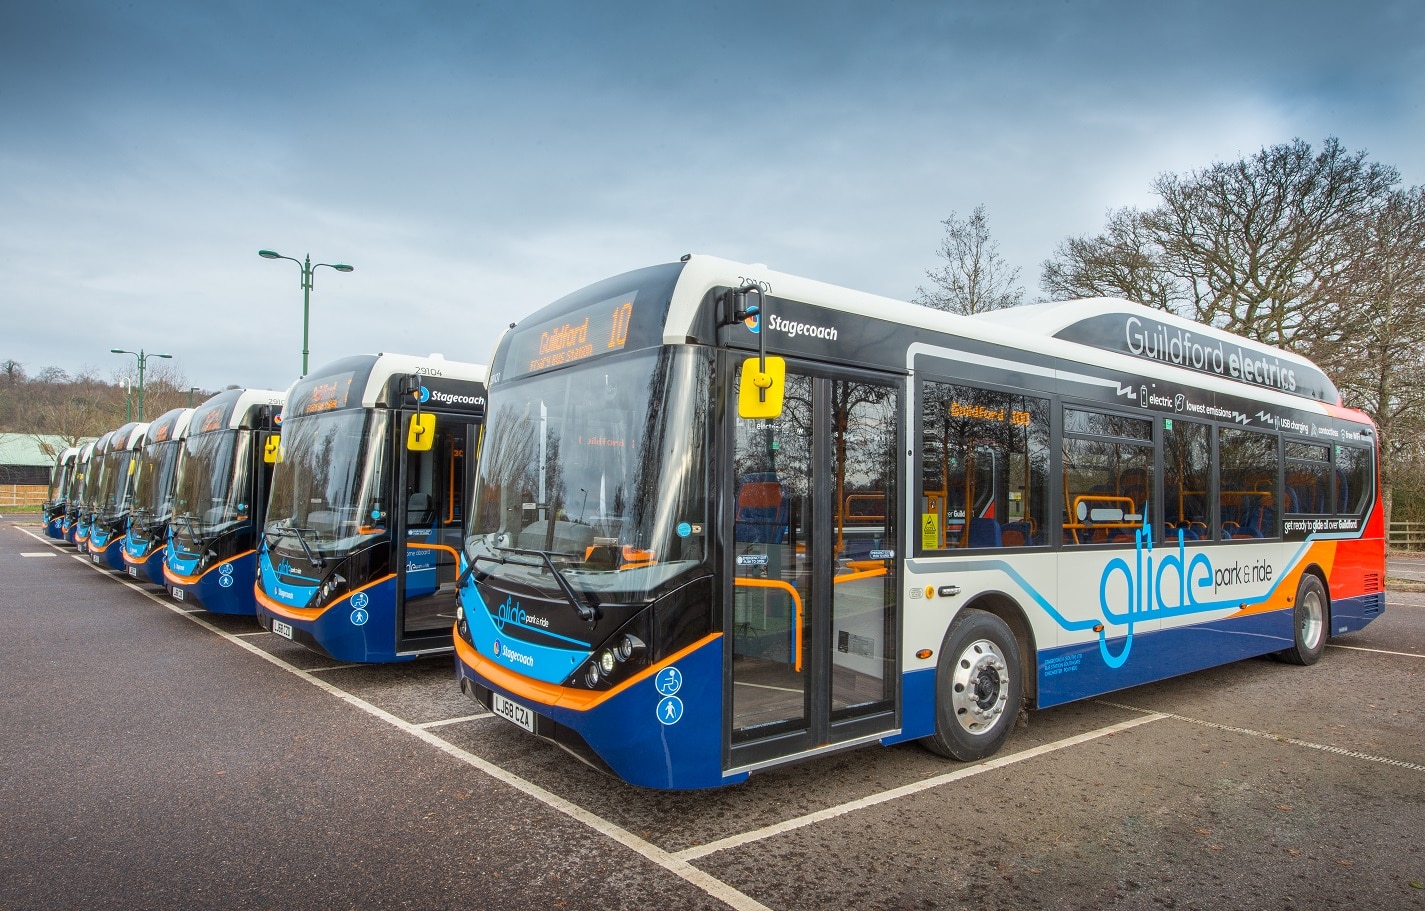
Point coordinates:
[[586, 610], [187, 518], [293, 531]]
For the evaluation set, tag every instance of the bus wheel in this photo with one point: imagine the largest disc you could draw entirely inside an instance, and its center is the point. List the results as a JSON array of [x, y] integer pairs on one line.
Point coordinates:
[[1309, 623], [977, 687]]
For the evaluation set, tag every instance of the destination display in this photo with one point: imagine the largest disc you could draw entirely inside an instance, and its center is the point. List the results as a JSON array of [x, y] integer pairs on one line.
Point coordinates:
[[597, 329], [213, 416], [323, 393]]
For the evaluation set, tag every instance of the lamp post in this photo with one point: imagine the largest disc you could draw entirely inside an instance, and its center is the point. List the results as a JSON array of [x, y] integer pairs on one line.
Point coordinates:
[[143, 360], [307, 269]]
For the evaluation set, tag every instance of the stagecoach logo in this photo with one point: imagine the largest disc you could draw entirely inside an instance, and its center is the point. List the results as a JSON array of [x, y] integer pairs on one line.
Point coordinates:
[[793, 329], [1137, 593], [512, 656]]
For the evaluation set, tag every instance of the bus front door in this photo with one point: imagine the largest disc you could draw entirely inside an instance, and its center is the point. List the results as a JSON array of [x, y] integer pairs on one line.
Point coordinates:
[[812, 614], [430, 522]]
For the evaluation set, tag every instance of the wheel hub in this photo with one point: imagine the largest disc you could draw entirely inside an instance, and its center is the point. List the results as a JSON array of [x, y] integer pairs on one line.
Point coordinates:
[[980, 687]]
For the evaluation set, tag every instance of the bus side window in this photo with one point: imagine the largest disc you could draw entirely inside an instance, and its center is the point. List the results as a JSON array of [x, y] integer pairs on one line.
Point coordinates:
[[984, 479]]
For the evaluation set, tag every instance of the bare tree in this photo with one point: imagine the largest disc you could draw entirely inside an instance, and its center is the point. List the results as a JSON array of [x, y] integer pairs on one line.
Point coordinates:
[[1124, 261], [1373, 344], [975, 278]]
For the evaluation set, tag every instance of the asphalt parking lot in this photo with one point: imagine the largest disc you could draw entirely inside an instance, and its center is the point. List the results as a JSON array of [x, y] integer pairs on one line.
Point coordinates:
[[155, 758]]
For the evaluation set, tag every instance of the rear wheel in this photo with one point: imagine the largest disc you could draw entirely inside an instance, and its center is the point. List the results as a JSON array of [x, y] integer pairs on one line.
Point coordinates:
[[978, 687], [1310, 622]]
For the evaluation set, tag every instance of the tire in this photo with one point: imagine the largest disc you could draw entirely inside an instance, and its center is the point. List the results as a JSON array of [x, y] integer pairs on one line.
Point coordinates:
[[978, 687], [1310, 622]]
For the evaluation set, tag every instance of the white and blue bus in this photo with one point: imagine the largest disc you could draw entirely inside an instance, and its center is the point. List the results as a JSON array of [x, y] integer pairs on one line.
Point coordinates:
[[146, 541], [220, 500], [727, 518], [111, 506], [361, 549], [56, 500], [74, 494]]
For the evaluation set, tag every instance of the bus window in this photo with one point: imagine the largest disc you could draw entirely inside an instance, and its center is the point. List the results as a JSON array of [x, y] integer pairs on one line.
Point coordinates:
[[1108, 470], [1353, 479], [1308, 478], [1187, 469], [984, 479], [1247, 472]]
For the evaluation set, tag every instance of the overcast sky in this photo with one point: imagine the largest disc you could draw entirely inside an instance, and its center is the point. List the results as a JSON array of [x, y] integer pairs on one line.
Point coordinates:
[[475, 161]]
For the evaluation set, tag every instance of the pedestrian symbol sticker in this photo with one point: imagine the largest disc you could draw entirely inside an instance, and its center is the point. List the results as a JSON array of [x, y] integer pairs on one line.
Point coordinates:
[[359, 617], [669, 681], [225, 581], [670, 710]]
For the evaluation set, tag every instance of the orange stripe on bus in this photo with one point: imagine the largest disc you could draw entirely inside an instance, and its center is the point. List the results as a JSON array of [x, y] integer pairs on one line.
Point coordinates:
[[309, 613], [552, 694], [176, 579]]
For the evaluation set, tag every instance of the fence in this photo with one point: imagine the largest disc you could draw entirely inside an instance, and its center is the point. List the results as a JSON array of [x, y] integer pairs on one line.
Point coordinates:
[[1407, 536], [12, 495]]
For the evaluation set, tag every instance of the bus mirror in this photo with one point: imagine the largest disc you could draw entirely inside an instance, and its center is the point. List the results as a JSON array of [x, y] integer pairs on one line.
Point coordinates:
[[763, 382], [271, 450], [421, 435]]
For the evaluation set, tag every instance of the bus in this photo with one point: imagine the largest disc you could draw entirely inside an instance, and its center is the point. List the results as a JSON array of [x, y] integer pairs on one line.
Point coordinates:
[[220, 498], [55, 499], [111, 507], [727, 518], [93, 487], [146, 541], [74, 494], [365, 525]]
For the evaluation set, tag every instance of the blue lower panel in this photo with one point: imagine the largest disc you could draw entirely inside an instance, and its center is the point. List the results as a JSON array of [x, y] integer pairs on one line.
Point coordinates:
[[225, 588], [650, 738], [114, 556], [1079, 671], [1349, 614], [358, 628], [54, 529]]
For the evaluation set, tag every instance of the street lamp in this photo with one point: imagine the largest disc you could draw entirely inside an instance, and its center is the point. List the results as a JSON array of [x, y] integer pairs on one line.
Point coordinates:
[[307, 269], [143, 360]]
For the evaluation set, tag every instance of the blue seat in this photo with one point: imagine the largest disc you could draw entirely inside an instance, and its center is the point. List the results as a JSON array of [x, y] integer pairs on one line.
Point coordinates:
[[762, 510], [984, 533]]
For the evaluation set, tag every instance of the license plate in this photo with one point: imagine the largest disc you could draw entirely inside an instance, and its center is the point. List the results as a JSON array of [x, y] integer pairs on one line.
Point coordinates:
[[512, 711], [282, 629], [178, 594], [94, 557], [133, 572]]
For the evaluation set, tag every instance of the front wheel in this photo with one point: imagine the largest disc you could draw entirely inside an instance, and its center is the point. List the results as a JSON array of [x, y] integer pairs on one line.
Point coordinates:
[[978, 687], [1310, 618]]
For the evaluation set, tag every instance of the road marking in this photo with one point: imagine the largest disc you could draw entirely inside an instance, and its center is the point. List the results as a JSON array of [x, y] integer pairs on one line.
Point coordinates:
[[1266, 735], [649, 851], [38, 553], [1378, 651], [261, 632], [733, 841], [427, 725], [334, 667]]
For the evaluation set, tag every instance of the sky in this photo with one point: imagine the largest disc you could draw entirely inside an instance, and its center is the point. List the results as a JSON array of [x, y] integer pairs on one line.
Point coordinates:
[[474, 161]]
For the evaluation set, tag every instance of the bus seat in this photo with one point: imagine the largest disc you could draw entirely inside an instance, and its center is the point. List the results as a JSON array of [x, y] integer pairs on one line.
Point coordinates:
[[420, 510], [985, 533], [762, 510]]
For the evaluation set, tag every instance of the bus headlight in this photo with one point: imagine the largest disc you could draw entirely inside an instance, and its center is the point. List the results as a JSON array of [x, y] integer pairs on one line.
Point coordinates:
[[625, 654]]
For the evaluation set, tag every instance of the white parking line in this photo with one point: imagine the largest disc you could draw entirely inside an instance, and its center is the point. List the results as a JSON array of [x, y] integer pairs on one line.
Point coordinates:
[[989, 765], [427, 725], [649, 851], [38, 553], [1267, 735], [1378, 651], [334, 667]]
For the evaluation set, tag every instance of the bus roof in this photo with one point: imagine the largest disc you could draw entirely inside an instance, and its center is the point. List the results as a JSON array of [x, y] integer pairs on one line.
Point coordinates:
[[330, 386], [171, 425], [233, 409], [1151, 341]]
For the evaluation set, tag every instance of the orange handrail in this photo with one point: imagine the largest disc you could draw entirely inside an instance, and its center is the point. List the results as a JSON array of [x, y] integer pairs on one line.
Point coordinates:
[[796, 599]]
